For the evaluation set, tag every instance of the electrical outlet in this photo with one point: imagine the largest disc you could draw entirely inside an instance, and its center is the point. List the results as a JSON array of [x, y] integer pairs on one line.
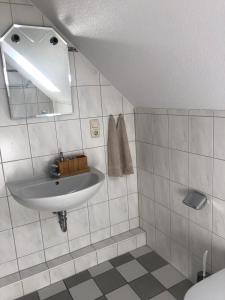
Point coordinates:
[[94, 128]]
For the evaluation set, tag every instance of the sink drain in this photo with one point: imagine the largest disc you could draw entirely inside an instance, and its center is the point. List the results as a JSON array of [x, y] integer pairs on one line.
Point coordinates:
[[62, 217]]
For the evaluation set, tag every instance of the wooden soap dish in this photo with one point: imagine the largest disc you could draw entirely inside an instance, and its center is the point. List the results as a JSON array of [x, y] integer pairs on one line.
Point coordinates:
[[73, 166]]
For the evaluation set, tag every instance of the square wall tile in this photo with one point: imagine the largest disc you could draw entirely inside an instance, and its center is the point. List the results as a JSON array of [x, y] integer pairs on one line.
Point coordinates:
[[80, 242], [161, 161], [111, 101], [140, 235], [62, 271], [5, 119], [129, 123], [203, 217], [118, 210], [200, 173], [150, 233], [12, 291], [36, 282], [5, 220], [132, 183], [2, 80], [218, 175], [8, 268], [86, 261], [18, 169], [146, 186], [144, 128], [72, 68], [117, 187], [179, 166], [7, 248], [177, 195], [107, 253], [162, 190], [78, 223], [100, 196], [219, 143], [201, 135], [119, 228], [2, 183], [100, 235], [128, 107], [200, 240], [99, 216], [219, 217], [162, 218], [56, 251], [52, 233], [14, 143], [31, 260], [103, 80], [178, 132], [218, 253], [28, 239], [96, 158], [90, 101], [145, 157], [21, 215], [179, 258], [86, 73], [41, 164], [134, 223], [26, 15], [43, 138], [147, 209], [88, 140], [133, 206], [160, 130], [163, 245], [69, 135], [5, 17], [179, 229]]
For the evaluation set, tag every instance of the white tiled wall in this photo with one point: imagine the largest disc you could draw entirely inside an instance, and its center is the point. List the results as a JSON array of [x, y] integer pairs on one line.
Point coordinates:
[[176, 151], [27, 147]]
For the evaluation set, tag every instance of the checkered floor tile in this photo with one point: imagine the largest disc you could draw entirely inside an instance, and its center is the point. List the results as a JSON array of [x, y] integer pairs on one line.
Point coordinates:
[[139, 275]]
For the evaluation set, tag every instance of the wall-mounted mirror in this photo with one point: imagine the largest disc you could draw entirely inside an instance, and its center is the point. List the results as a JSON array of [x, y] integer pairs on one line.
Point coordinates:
[[37, 72]]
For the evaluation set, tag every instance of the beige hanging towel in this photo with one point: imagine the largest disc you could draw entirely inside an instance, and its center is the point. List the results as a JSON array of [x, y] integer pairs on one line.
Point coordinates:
[[125, 156], [114, 161]]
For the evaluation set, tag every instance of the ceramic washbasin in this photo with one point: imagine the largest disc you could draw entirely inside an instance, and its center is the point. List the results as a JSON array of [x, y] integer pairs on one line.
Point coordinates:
[[47, 194]]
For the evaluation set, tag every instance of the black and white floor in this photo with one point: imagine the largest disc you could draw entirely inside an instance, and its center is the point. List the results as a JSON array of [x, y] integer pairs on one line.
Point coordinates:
[[140, 274]]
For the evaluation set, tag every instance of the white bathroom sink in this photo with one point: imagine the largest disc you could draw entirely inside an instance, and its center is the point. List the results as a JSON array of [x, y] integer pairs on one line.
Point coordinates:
[[47, 194], [210, 288]]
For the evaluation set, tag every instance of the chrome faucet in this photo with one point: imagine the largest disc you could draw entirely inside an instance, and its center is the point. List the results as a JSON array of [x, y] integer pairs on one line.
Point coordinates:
[[54, 171], [54, 168]]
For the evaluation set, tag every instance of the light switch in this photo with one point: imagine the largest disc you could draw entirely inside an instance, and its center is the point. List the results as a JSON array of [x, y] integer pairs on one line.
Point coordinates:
[[95, 128]]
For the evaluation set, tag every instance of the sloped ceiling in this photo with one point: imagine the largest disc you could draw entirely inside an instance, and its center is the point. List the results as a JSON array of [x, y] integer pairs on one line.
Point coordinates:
[[158, 53]]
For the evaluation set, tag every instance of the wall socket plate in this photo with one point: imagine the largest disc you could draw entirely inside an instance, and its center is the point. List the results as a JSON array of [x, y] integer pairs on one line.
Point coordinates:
[[94, 128]]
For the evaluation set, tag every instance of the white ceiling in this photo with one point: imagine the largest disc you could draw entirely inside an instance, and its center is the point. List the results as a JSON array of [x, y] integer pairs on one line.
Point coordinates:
[[158, 53]]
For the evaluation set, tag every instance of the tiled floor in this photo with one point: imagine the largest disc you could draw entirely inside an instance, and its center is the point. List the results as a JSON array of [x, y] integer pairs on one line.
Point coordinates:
[[140, 274]]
